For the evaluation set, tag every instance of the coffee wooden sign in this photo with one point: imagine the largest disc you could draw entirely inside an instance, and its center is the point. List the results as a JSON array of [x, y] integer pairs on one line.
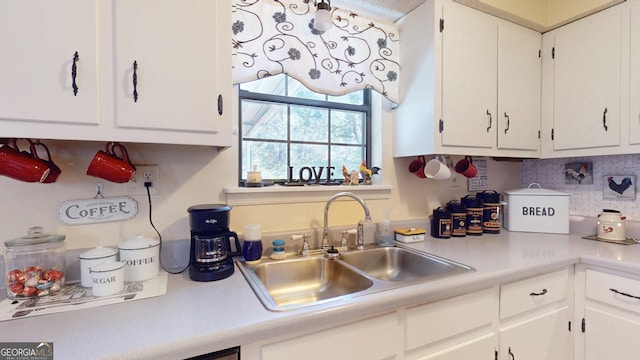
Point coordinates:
[[92, 211]]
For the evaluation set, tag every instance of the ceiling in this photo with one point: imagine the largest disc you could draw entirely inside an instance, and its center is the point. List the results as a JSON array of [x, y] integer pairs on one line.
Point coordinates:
[[390, 10]]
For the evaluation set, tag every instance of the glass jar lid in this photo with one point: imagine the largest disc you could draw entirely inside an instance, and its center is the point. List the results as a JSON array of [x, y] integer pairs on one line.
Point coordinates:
[[36, 239]]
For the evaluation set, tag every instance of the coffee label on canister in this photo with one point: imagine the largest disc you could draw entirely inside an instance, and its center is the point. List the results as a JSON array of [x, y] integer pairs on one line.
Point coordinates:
[[458, 224], [444, 228]]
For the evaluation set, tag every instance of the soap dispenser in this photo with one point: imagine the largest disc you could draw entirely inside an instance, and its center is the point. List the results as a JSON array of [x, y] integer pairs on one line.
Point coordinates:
[[386, 235]]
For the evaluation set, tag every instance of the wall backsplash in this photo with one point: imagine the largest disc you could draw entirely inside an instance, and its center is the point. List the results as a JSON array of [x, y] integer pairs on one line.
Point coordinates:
[[586, 199]]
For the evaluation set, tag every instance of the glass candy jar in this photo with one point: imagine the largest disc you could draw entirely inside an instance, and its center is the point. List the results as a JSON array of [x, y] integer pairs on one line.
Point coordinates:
[[34, 264]]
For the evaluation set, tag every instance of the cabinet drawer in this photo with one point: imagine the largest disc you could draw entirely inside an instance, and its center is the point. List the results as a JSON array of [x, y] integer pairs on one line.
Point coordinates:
[[613, 290], [528, 294], [436, 321]]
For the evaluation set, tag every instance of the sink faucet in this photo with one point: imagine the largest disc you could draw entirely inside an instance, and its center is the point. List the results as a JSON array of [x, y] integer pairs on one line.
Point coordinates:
[[360, 235]]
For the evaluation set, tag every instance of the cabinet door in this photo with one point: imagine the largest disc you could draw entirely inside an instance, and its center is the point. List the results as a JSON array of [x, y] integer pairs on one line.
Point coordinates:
[[469, 73], [610, 336], [634, 77], [519, 83], [480, 348], [39, 40], [587, 82], [544, 336], [374, 338], [173, 44]]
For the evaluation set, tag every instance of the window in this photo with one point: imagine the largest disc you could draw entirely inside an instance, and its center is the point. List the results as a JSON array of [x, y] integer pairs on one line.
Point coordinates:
[[291, 133]]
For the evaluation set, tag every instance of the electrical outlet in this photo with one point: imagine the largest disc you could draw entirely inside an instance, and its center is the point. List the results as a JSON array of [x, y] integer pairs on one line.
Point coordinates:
[[453, 180], [144, 173]]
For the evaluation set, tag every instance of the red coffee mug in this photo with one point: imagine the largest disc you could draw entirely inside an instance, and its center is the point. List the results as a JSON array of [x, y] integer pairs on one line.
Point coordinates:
[[55, 170], [21, 166], [466, 167], [107, 165], [416, 167]]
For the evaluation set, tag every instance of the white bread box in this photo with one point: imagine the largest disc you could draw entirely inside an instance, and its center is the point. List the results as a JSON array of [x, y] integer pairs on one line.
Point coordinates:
[[535, 209]]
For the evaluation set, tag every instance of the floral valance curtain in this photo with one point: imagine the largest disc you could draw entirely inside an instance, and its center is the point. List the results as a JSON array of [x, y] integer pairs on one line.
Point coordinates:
[[277, 36]]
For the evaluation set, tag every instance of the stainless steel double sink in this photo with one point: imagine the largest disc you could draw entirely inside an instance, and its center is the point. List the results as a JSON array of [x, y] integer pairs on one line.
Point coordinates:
[[298, 282]]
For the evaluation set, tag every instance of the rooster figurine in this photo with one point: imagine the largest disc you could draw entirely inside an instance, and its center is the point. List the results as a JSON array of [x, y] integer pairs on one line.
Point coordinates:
[[345, 173], [619, 188], [366, 173], [578, 175]]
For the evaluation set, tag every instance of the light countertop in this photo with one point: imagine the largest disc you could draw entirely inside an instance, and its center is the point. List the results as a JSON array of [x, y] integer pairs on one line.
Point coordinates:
[[194, 318]]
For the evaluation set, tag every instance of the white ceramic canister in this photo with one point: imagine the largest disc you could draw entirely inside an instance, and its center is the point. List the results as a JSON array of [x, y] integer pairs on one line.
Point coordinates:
[[141, 256], [107, 278], [611, 225], [92, 258]]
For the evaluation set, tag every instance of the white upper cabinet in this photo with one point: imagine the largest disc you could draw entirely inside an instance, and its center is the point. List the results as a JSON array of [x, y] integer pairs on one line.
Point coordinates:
[[182, 77], [469, 73], [591, 96], [634, 76], [174, 48], [587, 83], [519, 88], [467, 77], [37, 67]]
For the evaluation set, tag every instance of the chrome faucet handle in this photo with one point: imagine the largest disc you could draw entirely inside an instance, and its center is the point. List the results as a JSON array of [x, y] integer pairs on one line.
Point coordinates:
[[360, 235], [344, 242], [304, 250]]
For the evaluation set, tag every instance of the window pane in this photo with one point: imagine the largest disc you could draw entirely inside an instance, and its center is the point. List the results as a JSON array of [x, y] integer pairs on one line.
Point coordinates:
[[296, 89], [348, 156], [309, 124], [347, 127], [308, 155], [269, 157], [264, 120], [354, 98], [269, 85]]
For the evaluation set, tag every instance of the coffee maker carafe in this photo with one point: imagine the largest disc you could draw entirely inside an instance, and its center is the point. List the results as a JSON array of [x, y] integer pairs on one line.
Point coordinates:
[[211, 256]]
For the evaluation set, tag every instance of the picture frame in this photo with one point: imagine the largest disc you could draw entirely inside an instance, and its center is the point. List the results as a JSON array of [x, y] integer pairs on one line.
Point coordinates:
[[619, 187]]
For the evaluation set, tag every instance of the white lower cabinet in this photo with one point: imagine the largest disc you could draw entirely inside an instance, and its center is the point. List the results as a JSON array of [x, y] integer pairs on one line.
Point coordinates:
[[374, 338], [449, 328], [611, 315], [525, 319], [544, 336], [535, 317]]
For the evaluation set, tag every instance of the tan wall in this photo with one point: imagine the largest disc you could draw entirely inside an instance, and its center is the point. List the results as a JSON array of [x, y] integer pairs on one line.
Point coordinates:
[[193, 175]]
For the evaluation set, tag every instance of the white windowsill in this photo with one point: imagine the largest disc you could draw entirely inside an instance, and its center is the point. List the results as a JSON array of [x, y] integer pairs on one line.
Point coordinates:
[[278, 194]]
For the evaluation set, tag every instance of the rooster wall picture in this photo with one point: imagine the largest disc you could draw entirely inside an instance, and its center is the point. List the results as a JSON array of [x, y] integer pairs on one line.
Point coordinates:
[[616, 187], [579, 173]]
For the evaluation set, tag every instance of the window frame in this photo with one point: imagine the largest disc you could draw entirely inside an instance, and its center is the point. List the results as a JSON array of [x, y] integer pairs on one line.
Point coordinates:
[[365, 108]]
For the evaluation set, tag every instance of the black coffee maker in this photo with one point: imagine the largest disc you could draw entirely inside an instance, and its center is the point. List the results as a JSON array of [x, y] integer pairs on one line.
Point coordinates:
[[211, 256]]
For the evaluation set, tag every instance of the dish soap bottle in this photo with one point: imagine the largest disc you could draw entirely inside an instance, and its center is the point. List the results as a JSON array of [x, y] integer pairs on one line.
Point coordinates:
[[386, 235]]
